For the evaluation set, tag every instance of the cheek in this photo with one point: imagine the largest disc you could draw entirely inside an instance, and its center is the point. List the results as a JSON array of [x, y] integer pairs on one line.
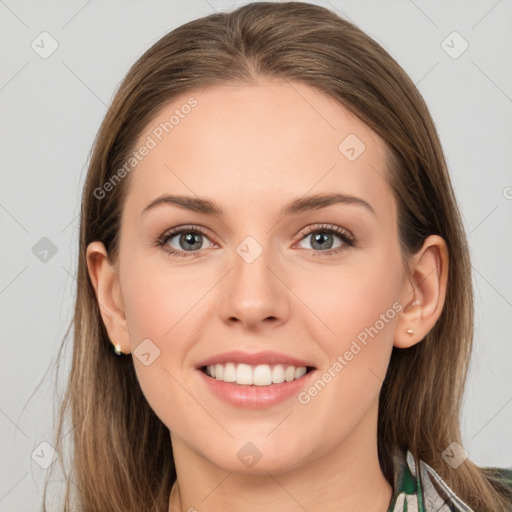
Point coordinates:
[[358, 307], [161, 305], [150, 312], [350, 298], [160, 302]]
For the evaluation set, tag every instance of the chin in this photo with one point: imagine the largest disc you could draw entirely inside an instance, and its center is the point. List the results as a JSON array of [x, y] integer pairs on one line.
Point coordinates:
[[258, 457]]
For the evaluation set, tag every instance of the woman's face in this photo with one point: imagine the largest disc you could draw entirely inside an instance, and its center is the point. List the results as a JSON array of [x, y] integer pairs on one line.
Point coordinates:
[[268, 274]]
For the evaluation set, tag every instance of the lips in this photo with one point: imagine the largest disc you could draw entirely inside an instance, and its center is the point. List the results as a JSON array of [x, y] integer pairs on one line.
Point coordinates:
[[253, 359], [258, 391]]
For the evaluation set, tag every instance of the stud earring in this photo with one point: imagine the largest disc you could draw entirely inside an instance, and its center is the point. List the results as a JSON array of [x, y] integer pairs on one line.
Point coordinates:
[[117, 349], [409, 331]]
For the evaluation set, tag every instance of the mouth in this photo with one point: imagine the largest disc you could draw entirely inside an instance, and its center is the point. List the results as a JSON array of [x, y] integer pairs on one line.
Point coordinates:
[[255, 375]]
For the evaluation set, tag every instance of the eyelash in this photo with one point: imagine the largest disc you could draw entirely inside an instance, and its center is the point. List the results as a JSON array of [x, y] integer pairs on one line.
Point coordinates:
[[346, 237]]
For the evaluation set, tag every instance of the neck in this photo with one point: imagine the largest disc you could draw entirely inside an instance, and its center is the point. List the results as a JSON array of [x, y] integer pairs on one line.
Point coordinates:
[[346, 478]]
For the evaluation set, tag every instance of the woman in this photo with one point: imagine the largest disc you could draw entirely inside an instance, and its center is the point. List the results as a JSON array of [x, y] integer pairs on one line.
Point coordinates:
[[270, 240]]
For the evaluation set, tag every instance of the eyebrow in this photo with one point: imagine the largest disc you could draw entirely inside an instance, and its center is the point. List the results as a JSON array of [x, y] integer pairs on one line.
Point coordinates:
[[299, 205]]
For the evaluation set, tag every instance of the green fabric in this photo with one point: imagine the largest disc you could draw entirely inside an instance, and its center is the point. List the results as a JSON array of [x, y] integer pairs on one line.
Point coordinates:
[[418, 488]]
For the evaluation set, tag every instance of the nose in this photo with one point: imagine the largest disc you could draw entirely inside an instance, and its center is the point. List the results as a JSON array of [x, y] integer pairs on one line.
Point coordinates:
[[254, 294]]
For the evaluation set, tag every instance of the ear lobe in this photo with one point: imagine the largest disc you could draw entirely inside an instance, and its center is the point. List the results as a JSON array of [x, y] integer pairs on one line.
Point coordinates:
[[105, 280], [424, 293]]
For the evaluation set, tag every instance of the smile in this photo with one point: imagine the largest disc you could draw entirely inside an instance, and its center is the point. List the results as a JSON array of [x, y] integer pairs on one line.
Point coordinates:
[[255, 375]]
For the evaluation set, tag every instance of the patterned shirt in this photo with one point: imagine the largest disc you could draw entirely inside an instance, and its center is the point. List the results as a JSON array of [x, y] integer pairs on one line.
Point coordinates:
[[429, 492]]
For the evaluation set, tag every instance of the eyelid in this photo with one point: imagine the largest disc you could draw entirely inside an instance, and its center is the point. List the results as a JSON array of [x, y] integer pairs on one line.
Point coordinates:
[[185, 228], [162, 240], [347, 238], [313, 228]]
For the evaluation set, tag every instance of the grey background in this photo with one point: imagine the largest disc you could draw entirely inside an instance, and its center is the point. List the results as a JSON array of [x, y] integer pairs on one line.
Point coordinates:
[[51, 109]]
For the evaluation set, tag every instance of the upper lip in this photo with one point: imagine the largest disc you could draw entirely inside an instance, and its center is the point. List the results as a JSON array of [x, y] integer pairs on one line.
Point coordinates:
[[253, 358]]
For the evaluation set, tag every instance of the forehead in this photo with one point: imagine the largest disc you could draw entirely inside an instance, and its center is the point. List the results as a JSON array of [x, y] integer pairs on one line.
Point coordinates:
[[253, 145]]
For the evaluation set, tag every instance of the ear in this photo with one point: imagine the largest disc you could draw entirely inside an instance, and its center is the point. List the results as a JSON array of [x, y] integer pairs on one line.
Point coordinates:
[[423, 293], [105, 280]]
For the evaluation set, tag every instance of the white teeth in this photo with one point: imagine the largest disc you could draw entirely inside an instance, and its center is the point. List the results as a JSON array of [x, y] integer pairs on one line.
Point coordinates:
[[300, 371], [229, 373], [289, 374], [277, 374], [243, 374], [259, 375], [262, 375]]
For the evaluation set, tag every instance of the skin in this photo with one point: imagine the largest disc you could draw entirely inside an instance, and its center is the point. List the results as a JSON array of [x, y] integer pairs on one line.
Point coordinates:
[[252, 149]]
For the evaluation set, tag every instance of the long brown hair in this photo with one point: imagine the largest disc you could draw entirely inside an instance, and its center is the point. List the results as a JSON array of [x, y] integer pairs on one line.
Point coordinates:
[[122, 456]]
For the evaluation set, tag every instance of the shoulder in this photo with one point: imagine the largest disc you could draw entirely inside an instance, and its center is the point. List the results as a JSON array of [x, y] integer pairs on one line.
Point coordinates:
[[419, 488], [500, 476]]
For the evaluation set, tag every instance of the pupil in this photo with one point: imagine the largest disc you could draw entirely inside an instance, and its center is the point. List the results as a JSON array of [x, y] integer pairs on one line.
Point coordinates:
[[189, 239], [320, 238]]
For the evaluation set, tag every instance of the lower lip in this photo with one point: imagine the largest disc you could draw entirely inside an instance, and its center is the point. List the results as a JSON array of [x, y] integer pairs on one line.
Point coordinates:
[[255, 397]]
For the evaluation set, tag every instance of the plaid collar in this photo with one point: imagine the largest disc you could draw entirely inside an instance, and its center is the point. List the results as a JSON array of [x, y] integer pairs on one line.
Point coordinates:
[[424, 493]]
